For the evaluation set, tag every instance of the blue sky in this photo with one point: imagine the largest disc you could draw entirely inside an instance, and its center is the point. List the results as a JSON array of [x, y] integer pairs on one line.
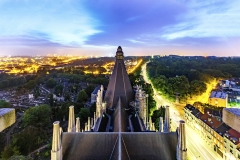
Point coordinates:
[[97, 27]]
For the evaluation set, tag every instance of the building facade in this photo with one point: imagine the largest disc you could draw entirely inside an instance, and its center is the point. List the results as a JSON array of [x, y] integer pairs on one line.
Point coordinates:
[[7, 118], [219, 99]]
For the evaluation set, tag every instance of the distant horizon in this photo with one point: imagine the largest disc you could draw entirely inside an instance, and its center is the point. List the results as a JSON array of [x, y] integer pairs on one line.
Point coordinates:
[[97, 28]]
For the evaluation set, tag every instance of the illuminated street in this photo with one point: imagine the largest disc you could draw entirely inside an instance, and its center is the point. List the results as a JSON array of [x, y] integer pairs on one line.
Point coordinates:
[[197, 148]]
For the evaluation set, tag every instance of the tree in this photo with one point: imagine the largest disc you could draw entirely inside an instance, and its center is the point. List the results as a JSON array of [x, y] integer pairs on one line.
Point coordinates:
[[38, 116], [51, 100], [9, 151], [30, 85], [67, 97], [93, 108], [4, 104], [89, 89], [59, 89], [101, 70], [50, 83], [82, 96], [84, 114], [156, 115], [197, 88], [29, 139]]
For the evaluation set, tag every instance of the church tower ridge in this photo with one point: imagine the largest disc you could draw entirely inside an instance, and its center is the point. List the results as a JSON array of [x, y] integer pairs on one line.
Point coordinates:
[[119, 84]]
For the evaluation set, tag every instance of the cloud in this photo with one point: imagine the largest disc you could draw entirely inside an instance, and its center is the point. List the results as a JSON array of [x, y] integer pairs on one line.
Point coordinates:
[[217, 18], [57, 21], [122, 19]]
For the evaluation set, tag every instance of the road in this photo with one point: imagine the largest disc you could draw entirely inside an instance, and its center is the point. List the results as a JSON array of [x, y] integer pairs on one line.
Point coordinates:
[[197, 149]]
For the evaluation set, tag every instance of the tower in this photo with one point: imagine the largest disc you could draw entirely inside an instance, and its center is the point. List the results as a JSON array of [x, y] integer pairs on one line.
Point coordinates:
[[119, 84]]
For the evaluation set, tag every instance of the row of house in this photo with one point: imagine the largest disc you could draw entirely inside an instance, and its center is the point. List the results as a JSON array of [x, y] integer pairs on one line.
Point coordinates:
[[217, 129]]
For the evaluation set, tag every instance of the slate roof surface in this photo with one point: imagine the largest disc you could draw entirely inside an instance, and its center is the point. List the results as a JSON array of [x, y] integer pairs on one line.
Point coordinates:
[[222, 129], [111, 146]]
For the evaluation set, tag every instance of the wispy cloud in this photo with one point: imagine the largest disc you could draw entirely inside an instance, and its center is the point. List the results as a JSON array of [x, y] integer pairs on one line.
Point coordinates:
[[207, 19], [102, 24], [57, 21]]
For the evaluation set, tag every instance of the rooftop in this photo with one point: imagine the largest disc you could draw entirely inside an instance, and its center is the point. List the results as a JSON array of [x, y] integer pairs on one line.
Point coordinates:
[[235, 111], [190, 107], [124, 145], [96, 90], [216, 94], [217, 113], [5, 110], [210, 121], [221, 130], [233, 135]]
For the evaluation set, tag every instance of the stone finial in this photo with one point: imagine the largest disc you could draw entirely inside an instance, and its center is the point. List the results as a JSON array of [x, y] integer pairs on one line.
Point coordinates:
[[166, 127], [56, 142], [89, 124], [182, 147], [161, 124], [78, 124], [71, 120]]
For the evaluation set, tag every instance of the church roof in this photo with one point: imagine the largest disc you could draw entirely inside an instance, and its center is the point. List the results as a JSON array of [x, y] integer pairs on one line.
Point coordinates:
[[119, 145], [120, 118], [119, 85]]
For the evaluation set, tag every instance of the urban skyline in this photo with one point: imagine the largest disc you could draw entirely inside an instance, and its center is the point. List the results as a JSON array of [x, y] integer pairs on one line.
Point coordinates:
[[96, 27]]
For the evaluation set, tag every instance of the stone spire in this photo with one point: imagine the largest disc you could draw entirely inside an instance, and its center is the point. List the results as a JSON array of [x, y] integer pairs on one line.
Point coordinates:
[[104, 106], [119, 84], [150, 123], [71, 120], [78, 124], [98, 104], [181, 147], [89, 124], [86, 127], [161, 124], [102, 89], [56, 152], [166, 127]]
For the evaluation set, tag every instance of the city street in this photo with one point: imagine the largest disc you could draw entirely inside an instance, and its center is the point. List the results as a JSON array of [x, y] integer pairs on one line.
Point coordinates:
[[196, 146]]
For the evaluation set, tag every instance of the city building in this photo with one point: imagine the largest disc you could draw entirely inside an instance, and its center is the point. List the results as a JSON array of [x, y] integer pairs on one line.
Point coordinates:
[[7, 118], [117, 130], [232, 145], [219, 139], [231, 116], [219, 99], [192, 116], [210, 126]]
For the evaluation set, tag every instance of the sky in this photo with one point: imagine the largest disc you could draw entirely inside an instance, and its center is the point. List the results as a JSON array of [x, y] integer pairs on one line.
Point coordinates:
[[98, 27]]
